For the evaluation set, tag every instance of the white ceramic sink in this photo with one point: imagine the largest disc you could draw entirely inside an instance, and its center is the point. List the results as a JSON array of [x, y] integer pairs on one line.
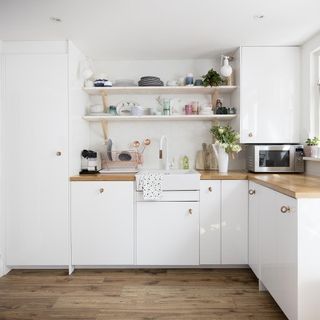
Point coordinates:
[[176, 179]]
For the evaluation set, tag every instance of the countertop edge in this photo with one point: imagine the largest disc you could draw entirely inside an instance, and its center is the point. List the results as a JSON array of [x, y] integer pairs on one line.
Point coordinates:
[[300, 193]]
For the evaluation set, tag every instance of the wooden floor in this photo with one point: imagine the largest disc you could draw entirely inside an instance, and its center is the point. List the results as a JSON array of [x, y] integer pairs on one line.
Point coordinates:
[[135, 294]]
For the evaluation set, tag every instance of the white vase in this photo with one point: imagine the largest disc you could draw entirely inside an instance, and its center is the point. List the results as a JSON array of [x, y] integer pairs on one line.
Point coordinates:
[[223, 158]]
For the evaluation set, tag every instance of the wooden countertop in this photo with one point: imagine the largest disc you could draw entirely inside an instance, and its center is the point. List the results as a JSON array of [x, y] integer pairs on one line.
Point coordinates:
[[215, 175], [105, 177], [292, 185], [205, 175]]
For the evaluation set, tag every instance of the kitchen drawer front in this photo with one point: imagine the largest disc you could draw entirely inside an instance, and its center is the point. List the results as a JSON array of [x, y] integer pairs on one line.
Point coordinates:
[[168, 196]]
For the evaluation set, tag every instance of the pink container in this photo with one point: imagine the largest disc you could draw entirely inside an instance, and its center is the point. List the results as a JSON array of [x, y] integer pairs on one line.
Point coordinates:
[[188, 109]]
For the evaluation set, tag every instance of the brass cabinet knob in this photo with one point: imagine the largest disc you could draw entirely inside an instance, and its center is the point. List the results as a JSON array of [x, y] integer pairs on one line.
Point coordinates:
[[252, 192], [250, 134], [210, 189], [190, 211], [285, 209], [101, 190], [58, 153]]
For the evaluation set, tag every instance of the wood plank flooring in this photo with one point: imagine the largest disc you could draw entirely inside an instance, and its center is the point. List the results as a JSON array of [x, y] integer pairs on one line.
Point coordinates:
[[149, 294]]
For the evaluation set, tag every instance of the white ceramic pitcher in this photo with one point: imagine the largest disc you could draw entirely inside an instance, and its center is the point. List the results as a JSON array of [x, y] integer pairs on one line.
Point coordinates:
[[223, 158]]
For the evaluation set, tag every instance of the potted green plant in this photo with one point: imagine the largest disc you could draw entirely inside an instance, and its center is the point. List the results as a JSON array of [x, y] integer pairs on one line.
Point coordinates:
[[212, 79], [312, 147], [226, 143]]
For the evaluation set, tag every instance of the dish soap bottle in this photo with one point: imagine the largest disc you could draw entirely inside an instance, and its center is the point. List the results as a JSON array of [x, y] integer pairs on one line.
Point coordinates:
[[185, 163]]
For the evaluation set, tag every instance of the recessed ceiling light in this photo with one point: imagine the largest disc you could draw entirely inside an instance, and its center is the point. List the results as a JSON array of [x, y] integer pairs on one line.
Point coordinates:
[[258, 16], [55, 19]]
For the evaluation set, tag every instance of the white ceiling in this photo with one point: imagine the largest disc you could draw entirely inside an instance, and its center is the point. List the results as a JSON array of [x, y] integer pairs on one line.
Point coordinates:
[[160, 29]]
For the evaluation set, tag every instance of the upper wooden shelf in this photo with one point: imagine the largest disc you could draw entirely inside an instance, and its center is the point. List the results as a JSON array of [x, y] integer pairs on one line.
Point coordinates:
[[159, 90], [214, 117]]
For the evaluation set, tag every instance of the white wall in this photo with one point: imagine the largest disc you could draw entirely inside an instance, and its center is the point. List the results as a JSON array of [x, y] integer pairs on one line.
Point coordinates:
[[185, 138], [309, 113]]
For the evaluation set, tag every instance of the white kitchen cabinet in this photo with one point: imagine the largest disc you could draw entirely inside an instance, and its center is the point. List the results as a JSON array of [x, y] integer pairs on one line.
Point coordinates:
[[168, 233], [269, 94], [279, 249], [102, 215], [253, 232], [234, 222], [210, 216], [289, 252], [35, 159]]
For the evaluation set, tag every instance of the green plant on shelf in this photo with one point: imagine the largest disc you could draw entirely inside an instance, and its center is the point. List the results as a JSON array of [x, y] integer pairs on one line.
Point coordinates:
[[212, 79]]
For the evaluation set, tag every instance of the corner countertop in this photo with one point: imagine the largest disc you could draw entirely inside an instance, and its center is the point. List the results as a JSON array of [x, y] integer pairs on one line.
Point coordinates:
[[293, 185], [290, 184]]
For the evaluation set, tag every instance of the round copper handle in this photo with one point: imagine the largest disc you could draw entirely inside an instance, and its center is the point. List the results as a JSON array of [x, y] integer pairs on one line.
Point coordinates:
[[101, 190], [252, 192], [190, 211], [210, 189], [250, 134], [58, 153], [285, 209]]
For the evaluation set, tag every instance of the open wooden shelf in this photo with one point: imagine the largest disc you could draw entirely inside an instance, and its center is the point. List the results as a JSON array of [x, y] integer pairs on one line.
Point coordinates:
[[217, 117], [159, 90]]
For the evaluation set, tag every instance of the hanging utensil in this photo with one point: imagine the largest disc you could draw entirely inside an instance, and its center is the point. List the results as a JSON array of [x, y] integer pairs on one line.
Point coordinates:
[[136, 144], [146, 142], [109, 149]]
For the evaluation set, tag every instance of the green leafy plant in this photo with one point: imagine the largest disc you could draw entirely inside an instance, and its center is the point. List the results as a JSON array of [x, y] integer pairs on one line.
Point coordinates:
[[227, 138], [313, 142], [212, 79]]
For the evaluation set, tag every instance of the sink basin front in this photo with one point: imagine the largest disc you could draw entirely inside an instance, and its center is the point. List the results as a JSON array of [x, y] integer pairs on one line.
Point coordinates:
[[176, 179]]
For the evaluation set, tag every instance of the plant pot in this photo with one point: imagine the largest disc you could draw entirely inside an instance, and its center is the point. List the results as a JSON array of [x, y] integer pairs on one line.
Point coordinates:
[[311, 151]]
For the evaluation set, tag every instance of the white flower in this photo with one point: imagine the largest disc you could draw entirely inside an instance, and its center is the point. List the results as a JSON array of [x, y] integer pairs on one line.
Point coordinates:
[[221, 130], [236, 148]]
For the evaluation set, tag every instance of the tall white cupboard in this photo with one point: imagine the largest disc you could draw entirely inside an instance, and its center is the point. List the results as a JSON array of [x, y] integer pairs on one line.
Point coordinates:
[[35, 120]]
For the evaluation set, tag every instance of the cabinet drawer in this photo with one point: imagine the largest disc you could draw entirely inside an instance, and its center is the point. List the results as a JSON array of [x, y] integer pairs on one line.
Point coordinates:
[[174, 196]]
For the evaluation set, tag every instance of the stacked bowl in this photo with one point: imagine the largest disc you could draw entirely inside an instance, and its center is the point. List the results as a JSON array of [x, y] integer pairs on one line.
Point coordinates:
[[150, 81]]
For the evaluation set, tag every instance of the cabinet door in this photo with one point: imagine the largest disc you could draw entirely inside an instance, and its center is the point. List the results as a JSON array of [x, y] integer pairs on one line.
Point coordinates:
[[278, 243], [270, 94], [102, 223], [234, 221], [287, 255], [168, 233], [210, 196], [254, 211], [35, 110], [268, 238]]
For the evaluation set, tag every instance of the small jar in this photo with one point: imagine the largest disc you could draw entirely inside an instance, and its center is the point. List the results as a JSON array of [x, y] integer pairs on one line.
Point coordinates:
[[188, 109], [113, 110], [166, 107], [189, 79], [195, 107]]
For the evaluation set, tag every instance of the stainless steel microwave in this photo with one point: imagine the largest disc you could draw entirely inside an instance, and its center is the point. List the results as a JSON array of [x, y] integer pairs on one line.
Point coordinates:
[[275, 158]]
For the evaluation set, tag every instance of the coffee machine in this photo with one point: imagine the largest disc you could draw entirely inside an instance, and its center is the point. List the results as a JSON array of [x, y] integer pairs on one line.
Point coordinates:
[[90, 162]]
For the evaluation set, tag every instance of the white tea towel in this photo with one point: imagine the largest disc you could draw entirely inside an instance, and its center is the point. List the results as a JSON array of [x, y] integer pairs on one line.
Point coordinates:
[[151, 185]]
